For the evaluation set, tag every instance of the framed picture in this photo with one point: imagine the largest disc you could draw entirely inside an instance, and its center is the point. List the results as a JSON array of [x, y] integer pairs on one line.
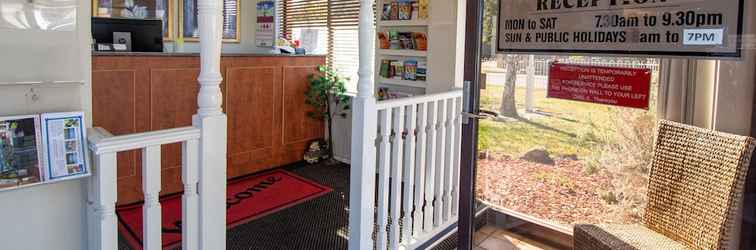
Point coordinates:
[[189, 21], [137, 9]]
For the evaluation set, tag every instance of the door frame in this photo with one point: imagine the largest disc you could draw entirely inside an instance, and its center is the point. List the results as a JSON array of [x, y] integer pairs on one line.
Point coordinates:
[[471, 105]]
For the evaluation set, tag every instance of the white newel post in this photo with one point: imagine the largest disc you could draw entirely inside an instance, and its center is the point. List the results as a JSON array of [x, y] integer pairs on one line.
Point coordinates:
[[211, 120], [364, 128], [103, 194]]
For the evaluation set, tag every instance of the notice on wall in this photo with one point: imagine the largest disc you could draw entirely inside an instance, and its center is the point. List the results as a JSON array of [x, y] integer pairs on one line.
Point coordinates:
[[265, 33], [624, 87], [63, 138], [702, 28]]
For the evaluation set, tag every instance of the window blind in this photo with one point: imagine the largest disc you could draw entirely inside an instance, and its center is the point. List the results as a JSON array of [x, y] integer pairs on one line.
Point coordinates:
[[230, 13], [339, 20]]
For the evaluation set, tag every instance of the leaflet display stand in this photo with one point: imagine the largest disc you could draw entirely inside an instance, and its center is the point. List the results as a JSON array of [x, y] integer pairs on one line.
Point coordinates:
[[42, 148]]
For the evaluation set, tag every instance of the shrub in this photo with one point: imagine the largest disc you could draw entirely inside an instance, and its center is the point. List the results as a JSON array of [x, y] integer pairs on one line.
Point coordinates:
[[627, 158]]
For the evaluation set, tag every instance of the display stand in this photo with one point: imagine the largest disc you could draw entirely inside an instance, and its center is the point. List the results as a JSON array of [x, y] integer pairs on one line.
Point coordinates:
[[439, 58], [42, 148]]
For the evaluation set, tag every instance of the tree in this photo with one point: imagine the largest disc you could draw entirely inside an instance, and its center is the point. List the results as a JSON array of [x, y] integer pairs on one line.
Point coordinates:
[[490, 10], [327, 96], [508, 105]]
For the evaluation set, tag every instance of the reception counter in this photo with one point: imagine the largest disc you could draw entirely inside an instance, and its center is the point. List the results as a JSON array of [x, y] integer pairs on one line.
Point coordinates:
[[263, 96]]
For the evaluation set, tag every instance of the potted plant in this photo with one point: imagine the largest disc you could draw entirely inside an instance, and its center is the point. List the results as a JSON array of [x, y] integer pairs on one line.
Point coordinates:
[[327, 96]]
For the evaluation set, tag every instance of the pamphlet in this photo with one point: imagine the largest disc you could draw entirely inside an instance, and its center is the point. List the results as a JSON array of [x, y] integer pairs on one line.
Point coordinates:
[[63, 140], [20, 154], [265, 33]]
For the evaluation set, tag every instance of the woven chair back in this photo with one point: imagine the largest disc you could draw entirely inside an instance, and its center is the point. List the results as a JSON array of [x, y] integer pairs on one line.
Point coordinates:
[[696, 184]]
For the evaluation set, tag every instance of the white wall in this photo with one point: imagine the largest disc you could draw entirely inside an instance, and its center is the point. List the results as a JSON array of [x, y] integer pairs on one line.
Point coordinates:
[[48, 216], [247, 27]]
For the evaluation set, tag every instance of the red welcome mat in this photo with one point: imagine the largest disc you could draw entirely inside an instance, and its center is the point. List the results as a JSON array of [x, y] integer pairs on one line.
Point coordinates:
[[247, 198]]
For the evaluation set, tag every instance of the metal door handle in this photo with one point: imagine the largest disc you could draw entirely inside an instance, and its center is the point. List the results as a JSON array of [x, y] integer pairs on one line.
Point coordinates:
[[466, 117]]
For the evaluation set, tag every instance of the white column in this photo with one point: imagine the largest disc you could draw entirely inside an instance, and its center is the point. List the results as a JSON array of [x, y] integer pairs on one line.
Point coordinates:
[[530, 84], [212, 121], [364, 129]]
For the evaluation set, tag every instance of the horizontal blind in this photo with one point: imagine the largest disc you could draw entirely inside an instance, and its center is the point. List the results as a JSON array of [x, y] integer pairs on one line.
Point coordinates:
[[230, 13], [330, 14], [317, 13]]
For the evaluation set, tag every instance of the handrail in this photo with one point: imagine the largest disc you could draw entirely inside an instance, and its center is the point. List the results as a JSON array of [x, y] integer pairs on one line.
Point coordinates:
[[101, 142], [394, 103]]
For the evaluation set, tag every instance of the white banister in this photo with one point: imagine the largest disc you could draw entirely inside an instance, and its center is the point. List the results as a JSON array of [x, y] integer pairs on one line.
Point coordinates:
[[430, 170], [409, 171], [364, 127], [449, 157], [110, 144], [102, 189], [457, 154], [190, 199], [420, 167], [384, 118], [213, 124], [397, 151], [103, 194], [151, 225], [416, 162], [439, 166]]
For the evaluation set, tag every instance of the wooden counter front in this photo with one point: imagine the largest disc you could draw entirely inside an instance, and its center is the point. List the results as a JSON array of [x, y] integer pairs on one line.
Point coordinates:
[[263, 96]]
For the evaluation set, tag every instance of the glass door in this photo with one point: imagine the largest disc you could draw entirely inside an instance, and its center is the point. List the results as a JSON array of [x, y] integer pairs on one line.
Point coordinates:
[[543, 162]]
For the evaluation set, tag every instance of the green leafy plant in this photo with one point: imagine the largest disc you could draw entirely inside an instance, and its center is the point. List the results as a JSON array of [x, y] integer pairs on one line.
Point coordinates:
[[327, 96]]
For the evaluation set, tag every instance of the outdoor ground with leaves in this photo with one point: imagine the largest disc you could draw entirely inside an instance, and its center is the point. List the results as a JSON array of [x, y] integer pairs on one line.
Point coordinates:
[[601, 158]]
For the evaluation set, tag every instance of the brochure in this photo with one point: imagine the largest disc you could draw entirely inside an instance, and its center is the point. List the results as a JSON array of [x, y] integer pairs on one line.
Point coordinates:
[[20, 154], [63, 141]]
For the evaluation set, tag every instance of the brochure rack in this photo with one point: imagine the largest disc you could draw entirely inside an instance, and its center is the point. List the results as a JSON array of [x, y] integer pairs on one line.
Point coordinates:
[[427, 64], [42, 148]]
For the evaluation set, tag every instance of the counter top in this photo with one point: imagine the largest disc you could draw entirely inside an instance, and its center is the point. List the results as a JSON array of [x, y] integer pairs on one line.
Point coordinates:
[[189, 54]]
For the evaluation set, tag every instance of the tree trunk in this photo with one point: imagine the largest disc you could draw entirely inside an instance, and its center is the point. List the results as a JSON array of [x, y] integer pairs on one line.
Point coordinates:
[[508, 105], [330, 128]]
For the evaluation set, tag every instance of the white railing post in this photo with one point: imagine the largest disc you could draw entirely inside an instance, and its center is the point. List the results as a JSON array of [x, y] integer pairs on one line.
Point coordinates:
[[189, 201], [397, 161], [457, 153], [364, 127], [152, 223], [104, 231], [439, 166], [409, 173], [384, 165], [430, 168], [420, 168], [213, 125]]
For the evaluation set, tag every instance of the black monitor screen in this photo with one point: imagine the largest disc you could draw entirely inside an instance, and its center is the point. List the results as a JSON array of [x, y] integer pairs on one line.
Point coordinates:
[[146, 34]]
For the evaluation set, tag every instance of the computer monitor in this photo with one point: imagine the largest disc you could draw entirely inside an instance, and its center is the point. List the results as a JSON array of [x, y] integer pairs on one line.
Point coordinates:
[[146, 34]]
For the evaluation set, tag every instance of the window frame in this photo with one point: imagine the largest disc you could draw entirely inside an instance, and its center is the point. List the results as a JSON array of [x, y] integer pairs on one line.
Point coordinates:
[[237, 35], [167, 37]]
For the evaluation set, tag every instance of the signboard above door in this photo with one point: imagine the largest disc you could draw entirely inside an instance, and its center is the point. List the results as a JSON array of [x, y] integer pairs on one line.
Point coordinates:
[[703, 28]]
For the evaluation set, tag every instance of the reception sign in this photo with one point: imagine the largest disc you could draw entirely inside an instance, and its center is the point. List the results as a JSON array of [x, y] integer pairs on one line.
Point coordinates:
[[704, 28], [625, 87]]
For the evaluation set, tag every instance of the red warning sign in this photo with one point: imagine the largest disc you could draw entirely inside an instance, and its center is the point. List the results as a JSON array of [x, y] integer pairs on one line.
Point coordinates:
[[625, 87]]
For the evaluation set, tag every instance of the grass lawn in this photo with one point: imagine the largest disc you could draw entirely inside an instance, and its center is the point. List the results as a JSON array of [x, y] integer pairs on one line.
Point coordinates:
[[565, 128]]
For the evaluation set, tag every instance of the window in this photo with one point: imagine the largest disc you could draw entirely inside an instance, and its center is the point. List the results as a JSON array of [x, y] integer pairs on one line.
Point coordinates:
[[190, 22], [147, 9], [325, 27]]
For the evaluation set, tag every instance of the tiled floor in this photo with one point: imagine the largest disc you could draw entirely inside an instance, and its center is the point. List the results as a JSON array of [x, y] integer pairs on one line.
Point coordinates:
[[492, 238]]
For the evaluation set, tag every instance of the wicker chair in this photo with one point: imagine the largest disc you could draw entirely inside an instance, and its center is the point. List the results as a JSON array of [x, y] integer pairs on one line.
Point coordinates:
[[695, 188]]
